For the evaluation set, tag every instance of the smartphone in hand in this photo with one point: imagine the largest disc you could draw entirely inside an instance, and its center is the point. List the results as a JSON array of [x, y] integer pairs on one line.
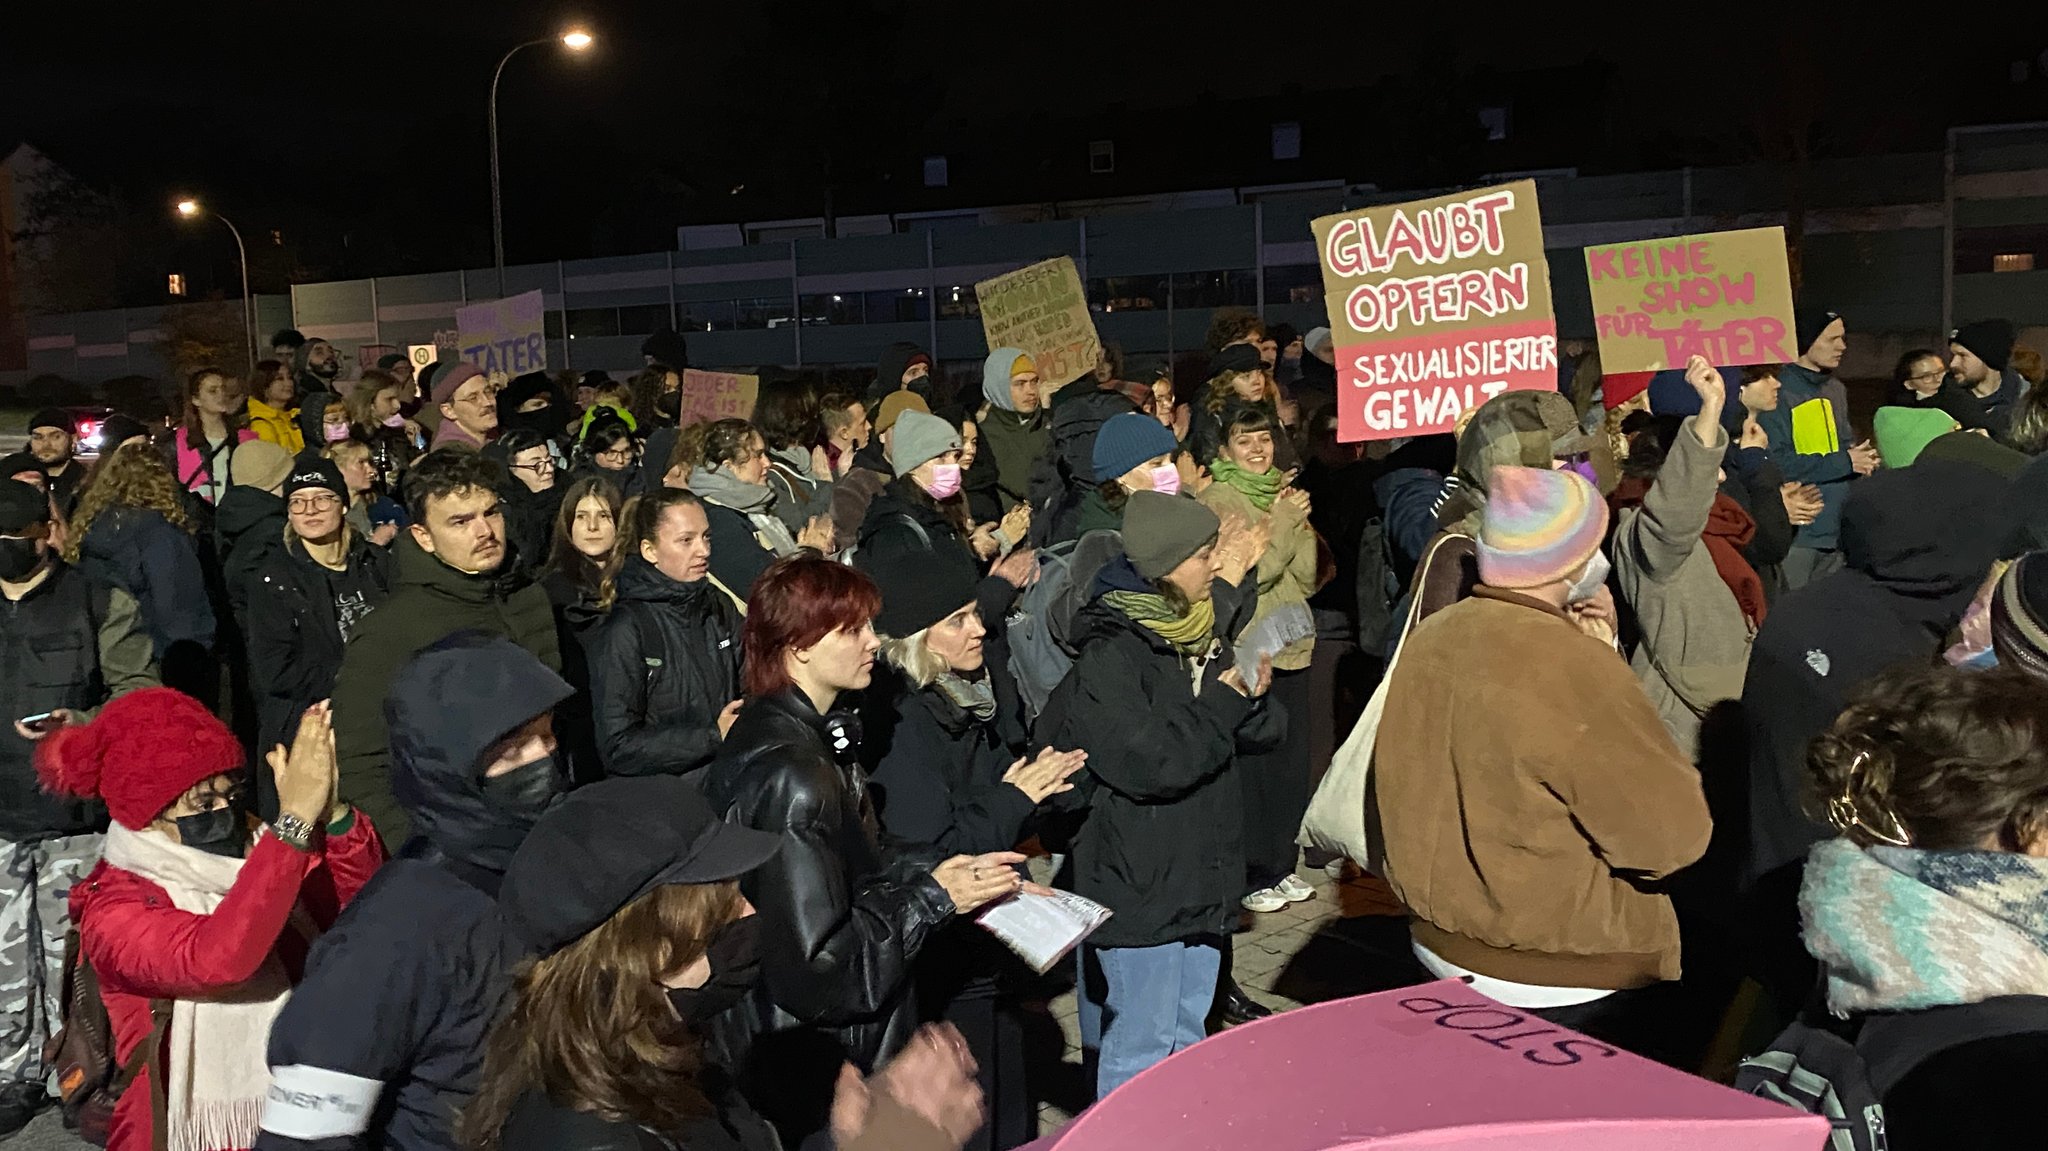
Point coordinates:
[[42, 723]]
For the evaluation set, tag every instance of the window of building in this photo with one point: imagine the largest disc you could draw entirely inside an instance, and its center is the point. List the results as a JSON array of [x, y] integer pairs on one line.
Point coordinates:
[[902, 306], [177, 284], [1102, 156], [934, 171], [1127, 294], [762, 312], [2003, 262], [1294, 284], [958, 301], [1222, 289], [592, 323], [783, 233], [833, 308], [705, 316], [643, 319], [1287, 140]]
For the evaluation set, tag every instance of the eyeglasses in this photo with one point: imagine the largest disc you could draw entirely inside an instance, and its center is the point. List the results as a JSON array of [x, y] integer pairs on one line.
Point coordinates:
[[319, 503], [1936, 374], [546, 465], [614, 455]]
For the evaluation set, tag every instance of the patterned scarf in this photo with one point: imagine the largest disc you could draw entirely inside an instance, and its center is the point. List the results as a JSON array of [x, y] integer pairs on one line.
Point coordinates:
[[1901, 929], [1191, 634], [1261, 490], [976, 697]]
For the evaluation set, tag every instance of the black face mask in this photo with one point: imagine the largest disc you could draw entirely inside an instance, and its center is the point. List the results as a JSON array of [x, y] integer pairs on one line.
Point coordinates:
[[525, 791], [735, 968], [222, 831], [18, 559], [670, 405]]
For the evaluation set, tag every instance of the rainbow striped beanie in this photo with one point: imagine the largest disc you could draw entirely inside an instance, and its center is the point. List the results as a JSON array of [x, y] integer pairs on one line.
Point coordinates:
[[1539, 526]]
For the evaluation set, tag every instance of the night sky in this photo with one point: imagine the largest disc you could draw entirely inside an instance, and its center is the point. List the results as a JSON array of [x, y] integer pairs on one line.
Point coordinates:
[[358, 129]]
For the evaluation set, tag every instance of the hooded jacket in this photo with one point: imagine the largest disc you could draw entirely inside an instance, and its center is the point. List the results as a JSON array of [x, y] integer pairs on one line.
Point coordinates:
[[1917, 543], [1830, 471], [294, 641], [1695, 641], [1065, 474], [280, 426], [143, 554], [248, 527], [429, 601], [402, 991], [842, 919], [1014, 439], [889, 368], [1162, 844], [662, 667], [856, 490], [69, 642]]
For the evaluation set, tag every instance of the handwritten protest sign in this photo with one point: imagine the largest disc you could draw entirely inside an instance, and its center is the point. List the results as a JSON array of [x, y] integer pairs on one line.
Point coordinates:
[[504, 338], [1043, 310], [1723, 295], [1436, 306], [718, 396]]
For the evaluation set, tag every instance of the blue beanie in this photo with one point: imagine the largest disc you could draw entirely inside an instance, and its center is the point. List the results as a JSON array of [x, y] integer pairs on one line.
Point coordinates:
[[1127, 440], [1670, 395]]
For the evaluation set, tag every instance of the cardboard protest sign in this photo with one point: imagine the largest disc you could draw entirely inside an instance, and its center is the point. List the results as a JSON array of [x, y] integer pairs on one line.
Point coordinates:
[[1723, 295], [1437, 1066], [718, 396], [1436, 306], [1042, 309], [504, 338]]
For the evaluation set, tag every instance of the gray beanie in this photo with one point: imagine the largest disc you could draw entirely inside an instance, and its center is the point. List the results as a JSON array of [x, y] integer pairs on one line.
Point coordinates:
[[919, 437], [1162, 531]]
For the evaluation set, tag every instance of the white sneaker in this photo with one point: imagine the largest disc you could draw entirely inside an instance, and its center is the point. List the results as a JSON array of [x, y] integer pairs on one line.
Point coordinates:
[[1265, 899], [1294, 890]]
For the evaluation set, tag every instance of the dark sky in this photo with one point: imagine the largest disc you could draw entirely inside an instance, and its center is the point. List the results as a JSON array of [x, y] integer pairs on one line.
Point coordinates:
[[359, 128]]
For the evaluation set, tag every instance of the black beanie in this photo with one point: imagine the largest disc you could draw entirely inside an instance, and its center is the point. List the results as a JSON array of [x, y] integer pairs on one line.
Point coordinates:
[[1236, 358], [118, 429], [21, 506], [2019, 615], [310, 470], [919, 588], [1811, 323], [1988, 340], [53, 418], [15, 463], [668, 349]]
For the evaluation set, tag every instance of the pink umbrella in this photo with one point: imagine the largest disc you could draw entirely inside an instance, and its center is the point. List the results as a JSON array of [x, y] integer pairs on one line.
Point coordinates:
[[1437, 1066]]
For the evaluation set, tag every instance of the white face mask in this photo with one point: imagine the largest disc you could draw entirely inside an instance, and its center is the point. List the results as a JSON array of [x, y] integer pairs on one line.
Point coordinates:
[[1589, 584]]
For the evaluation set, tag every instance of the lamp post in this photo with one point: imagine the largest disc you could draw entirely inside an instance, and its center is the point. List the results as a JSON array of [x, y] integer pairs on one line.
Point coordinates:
[[191, 209], [575, 40]]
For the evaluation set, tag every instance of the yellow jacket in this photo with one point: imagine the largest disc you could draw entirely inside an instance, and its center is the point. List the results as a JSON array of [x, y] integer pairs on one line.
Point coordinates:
[[280, 428]]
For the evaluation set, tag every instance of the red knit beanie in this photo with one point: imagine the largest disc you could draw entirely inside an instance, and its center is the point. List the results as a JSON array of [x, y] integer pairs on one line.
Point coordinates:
[[143, 751]]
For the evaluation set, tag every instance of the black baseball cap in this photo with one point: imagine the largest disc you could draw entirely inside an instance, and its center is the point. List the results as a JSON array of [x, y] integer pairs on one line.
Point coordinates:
[[611, 842]]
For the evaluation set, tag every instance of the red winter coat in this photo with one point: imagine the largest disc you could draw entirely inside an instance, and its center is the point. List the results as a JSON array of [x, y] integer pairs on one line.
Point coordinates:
[[144, 948]]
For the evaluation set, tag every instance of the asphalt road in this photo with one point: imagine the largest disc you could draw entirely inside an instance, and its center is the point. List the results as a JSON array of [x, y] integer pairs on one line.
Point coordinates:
[[46, 1133]]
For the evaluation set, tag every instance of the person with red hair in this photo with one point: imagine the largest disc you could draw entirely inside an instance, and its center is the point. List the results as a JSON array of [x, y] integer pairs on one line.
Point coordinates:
[[842, 918], [197, 921]]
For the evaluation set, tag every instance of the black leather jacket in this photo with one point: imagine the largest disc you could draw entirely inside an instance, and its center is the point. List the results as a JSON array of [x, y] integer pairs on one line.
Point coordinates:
[[842, 918]]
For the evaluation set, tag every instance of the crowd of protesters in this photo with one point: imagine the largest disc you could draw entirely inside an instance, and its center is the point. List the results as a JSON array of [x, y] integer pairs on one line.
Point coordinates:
[[436, 761]]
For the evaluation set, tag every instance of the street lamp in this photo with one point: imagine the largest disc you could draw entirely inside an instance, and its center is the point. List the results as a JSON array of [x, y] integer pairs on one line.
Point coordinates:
[[191, 209], [575, 40]]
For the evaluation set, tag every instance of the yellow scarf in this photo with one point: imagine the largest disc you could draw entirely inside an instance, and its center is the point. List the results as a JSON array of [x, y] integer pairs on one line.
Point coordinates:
[[1190, 634]]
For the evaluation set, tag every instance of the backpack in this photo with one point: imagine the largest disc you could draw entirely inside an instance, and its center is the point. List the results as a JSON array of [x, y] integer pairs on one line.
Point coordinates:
[[1039, 623], [1841, 1069], [1377, 588], [82, 1051]]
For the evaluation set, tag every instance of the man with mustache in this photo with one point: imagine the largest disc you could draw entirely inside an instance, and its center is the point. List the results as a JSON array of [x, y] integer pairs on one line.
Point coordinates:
[[453, 576]]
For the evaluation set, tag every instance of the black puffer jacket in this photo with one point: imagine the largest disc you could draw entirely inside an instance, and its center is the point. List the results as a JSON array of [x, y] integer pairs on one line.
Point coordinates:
[[898, 524], [249, 530], [145, 555], [404, 988], [295, 643], [1162, 843], [429, 601], [662, 667], [842, 919]]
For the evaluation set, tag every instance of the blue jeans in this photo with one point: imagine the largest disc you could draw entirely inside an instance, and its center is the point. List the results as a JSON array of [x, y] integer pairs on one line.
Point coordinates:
[[1139, 1005]]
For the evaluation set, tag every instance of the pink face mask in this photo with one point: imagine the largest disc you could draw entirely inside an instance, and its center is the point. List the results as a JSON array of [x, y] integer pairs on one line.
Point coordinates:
[[1166, 480], [945, 481], [335, 432], [394, 420]]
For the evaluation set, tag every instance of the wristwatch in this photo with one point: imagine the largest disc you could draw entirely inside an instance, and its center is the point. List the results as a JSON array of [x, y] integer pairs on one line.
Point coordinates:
[[293, 831]]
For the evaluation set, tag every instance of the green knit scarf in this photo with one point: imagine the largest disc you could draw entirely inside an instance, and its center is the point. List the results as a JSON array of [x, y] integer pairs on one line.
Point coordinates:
[[1260, 489], [1190, 634]]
